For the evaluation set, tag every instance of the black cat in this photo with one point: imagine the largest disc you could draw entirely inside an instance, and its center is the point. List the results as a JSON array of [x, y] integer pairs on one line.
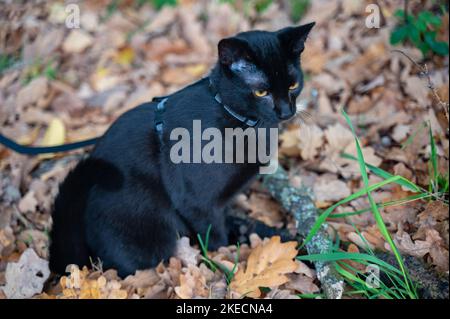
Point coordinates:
[[128, 202]]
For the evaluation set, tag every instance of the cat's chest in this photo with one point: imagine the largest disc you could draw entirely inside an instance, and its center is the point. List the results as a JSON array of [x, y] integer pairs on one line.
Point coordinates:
[[217, 184]]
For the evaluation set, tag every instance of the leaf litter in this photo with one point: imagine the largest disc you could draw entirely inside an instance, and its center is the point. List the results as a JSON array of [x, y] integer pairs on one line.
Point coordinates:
[[70, 85]]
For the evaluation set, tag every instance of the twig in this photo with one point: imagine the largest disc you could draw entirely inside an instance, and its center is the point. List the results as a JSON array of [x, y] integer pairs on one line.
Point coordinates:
[[424, 72], [298, 202]]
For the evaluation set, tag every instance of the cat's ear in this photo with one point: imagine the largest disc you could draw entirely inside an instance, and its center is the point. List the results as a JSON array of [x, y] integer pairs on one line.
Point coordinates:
[[232, 50], [293, 38]]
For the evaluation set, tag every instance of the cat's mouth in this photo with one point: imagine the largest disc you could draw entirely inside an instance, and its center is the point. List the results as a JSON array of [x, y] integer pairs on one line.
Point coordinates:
[[285, 117]]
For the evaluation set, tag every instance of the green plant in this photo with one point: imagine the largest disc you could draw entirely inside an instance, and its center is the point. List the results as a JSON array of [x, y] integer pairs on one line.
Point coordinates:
[[158, 4], [402, 286], [299, 9], [6, 61], [262, 5], [213, 265], [421, 30], [39, 68], [439, 182]]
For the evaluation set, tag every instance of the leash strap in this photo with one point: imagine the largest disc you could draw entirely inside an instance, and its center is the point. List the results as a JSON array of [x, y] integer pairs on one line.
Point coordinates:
[[35, 150]]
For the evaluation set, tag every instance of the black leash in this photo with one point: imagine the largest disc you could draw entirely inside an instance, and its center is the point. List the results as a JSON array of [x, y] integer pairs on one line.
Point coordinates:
[[35, 150], [158, 123]]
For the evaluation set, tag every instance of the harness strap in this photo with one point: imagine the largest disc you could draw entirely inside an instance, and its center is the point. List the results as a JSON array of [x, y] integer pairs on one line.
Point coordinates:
[[158, 123], [247, 121], [160, 108]]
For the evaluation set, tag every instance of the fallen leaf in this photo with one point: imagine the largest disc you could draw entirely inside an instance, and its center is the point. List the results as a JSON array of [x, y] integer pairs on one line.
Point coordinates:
[[54, 135], [267, 266], [192, 284], [6, 241], [77, 41], [124, 56], [356, 239], [32, 92], [418, 90], [102, 79], [401, 132], [80, 284], [302, 284], [187, 254], [329, 189], [338, 137], [28, 203], [438, 252], [265, 209], [305, 270], [310, 140], [281, 294], [418, 248], [26, 278]]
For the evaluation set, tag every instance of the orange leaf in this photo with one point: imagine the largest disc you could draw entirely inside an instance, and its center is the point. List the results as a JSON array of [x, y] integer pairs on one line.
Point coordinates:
[[266, 267]]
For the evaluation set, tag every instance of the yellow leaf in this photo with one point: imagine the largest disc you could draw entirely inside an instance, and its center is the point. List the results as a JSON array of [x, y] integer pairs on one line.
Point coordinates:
[[118, 294], [30, 137], [124, 56], [196, 70], [55, 135], [266, 267], [192, 284]]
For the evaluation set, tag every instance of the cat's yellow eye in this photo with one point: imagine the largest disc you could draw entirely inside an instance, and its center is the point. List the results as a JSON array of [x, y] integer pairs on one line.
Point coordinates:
[[293, 86], [260, 93]]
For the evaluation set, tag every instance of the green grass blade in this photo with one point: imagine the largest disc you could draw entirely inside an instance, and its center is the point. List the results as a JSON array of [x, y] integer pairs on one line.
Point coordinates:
[[402, 201], [335, 256], [383, 174], [378, 218], [321, 219]]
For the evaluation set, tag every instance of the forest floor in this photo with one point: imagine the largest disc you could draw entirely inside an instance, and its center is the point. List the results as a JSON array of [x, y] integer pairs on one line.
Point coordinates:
[[63, 85]]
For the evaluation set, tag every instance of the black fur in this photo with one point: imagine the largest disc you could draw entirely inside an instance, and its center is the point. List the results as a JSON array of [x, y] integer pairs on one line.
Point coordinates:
[[128, 202]]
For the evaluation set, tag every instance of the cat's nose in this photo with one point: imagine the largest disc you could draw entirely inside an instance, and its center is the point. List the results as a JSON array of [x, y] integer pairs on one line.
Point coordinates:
[[285, 111]]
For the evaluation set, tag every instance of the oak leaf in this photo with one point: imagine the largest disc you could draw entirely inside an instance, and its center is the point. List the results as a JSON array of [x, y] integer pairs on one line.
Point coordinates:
[[267, 266]]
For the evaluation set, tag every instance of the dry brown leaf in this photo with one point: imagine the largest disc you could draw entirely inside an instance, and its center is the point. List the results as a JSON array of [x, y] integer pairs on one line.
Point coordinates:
[[401, 132], [102, 79], [6, 241], [281, 294], [418, 248], [338, 137], [438, 252], [28, 203], [32, 92], [418, 90], [302, 284], [26, 278], [77, 41], [141, 279], [265, 209], [290, 142], [187, 254], [302, 268], [192, 284], [267, 266], [329, 189], [310, 140], [80, 284]]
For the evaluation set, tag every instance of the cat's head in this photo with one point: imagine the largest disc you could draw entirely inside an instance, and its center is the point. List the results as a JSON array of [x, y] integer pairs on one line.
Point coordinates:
[[261, 72]]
